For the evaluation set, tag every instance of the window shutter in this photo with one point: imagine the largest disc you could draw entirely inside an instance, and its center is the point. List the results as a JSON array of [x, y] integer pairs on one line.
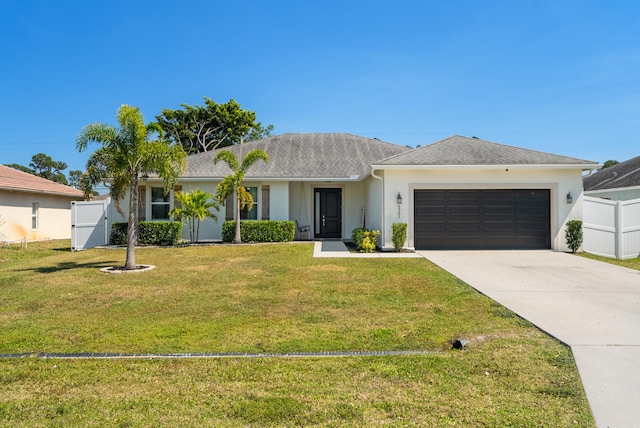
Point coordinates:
[[228, 204], [176, 203], [142, 199], [265, 202]]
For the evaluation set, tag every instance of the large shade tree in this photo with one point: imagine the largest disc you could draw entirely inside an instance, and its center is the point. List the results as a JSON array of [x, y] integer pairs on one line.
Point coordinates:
[[211, 126], [232, 183], [129, 152]]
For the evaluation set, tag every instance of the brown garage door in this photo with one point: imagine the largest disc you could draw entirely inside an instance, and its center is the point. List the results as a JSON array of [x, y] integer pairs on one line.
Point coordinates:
[[482, 219]]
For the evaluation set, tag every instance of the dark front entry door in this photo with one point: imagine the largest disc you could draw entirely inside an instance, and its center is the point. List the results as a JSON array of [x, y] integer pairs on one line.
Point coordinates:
[[328, 213]]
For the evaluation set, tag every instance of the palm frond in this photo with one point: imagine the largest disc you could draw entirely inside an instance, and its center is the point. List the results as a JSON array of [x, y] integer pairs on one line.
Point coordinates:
[[252, 157], [227, 157]]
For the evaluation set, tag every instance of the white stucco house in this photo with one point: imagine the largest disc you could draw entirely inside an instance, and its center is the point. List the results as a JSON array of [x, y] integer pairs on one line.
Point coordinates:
[[620, 182], [34, 208], [458, 193]]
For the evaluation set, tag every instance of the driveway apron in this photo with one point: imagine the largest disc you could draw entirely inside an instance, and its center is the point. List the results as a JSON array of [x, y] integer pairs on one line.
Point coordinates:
[[593, 307]]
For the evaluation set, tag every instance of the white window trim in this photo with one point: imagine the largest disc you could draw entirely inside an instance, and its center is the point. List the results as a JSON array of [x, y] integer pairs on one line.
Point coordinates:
[[150, 203], [256, 201], [35, 215]]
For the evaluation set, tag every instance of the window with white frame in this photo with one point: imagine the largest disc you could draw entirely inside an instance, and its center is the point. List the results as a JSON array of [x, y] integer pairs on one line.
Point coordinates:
[[251, 212], [34, 215], [160, 204]]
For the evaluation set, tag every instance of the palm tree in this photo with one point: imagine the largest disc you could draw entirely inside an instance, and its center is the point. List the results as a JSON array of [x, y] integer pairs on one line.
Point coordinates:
[[232, 183], [194, 207], [127, 154]]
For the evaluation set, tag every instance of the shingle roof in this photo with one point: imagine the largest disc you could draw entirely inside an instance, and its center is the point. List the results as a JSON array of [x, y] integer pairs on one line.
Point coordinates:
[[302, 156], [623, 174], [458, 150], [14, 180]]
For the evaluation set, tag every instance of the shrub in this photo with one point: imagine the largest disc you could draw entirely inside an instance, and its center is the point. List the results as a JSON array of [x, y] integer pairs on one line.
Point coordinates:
[[399, 235], [149, 233], [259, 230], [573, 234], [357, 236], [118, 234], [365, 240]]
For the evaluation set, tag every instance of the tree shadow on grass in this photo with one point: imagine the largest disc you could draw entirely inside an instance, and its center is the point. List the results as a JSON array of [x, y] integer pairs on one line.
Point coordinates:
[[71, 265]]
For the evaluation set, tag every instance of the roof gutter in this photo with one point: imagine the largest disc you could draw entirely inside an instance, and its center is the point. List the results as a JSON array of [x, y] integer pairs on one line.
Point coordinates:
[[377, 177], [43, 192], [584, 167]]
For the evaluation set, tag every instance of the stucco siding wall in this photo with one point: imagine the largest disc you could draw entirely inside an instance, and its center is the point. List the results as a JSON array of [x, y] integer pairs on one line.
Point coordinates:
[[278, 200], [210, 229], [54, 216], [374, 208], [558, 181], [354, 199]]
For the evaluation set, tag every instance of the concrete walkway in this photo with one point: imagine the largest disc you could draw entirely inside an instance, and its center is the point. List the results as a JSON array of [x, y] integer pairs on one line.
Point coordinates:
[[593, 307]]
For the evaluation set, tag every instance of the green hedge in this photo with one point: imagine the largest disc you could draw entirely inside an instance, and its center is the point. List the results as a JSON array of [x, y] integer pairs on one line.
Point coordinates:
[[149, 233], [259, 230]]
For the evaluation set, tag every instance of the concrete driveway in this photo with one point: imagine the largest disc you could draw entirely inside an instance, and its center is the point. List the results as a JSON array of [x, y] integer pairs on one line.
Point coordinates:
[[591, 306]]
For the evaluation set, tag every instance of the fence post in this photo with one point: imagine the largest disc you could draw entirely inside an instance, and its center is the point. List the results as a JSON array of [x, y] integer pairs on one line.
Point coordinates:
[[619, 239]]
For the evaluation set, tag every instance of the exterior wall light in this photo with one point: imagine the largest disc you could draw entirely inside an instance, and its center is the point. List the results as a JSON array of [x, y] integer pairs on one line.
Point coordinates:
[[399, 202], [569, 198]]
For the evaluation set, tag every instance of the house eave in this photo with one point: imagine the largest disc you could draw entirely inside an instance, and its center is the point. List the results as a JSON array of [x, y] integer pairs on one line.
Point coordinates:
[[42, 192], [611, 189], [583, 167], [353, 178]]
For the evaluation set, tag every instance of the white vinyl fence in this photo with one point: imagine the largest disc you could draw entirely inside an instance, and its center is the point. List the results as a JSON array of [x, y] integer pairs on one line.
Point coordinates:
[[611, 228], [89, 225]]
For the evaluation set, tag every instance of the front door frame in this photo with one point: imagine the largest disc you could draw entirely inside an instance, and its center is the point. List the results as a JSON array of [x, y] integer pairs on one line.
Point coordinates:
[[327, 216]]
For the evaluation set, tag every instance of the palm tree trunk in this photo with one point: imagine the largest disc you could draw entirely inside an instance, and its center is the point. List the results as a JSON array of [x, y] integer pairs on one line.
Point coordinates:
[[132, 226], [238, 238]]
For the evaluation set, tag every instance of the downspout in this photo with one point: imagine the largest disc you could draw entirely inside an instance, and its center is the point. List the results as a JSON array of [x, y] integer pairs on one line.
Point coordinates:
[[382, 236]]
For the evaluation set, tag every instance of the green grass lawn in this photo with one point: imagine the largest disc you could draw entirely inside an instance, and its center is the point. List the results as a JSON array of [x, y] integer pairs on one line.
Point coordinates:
[[628, 263], [268, 299]]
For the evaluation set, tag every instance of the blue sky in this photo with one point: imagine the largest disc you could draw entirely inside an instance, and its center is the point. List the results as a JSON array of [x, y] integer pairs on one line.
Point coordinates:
[[558, 76]]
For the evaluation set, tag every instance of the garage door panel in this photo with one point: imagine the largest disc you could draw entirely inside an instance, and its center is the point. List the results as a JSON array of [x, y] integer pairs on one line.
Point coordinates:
[[432, 226], [494, 226], [464, 226], [432, 211], [490, 210], [482, 219], [461, 210], [462, 195], [529, 226], [430, 196]]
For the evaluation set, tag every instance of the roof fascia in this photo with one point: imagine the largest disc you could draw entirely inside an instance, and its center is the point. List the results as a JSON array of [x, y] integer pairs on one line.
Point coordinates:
[[583, 167], [260, 179], [612, 189], [40, 192]]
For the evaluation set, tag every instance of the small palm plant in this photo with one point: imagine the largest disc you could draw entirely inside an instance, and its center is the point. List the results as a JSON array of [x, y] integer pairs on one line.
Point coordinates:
[[192, 207], [232, 183]]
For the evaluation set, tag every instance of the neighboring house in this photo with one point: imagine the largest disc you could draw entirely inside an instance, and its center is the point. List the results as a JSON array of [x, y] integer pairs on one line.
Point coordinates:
[[34, 208], [458, 193], [620, 182]]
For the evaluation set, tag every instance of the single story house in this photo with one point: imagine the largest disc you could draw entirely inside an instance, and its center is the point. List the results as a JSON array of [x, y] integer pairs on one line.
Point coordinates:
[[620, 182], [34, 208], [458, 193]]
